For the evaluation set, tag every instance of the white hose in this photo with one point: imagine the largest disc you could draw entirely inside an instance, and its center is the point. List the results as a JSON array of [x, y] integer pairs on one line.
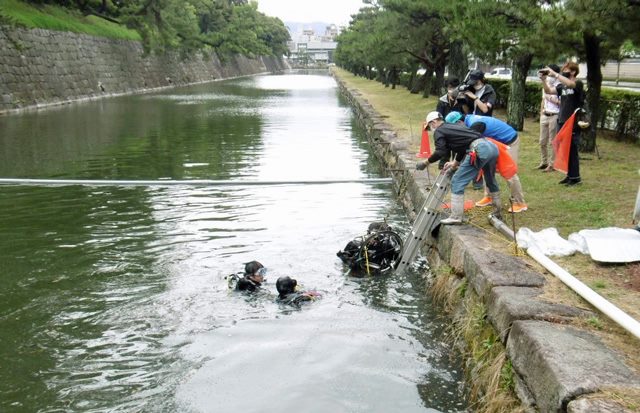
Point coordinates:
[[171, 182], [623, 319]]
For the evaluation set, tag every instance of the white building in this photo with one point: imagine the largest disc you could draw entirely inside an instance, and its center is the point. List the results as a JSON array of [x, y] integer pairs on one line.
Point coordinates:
[[309, 48]]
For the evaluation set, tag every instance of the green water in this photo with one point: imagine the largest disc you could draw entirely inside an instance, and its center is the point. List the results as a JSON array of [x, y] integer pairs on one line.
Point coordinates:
[[114, 298]]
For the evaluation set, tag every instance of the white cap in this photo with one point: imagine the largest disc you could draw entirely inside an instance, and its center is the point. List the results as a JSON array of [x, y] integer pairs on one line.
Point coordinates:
[[433, 116]]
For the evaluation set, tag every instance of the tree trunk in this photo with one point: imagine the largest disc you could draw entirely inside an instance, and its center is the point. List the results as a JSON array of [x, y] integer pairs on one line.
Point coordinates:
[[515, 106], [592, 45], [418, 84], [427, 79], [438, 85], [458, 62], [412, 78], [393, 77]]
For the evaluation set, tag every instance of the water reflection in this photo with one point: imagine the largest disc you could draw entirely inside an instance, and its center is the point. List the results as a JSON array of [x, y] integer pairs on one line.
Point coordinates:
[[114, 299]]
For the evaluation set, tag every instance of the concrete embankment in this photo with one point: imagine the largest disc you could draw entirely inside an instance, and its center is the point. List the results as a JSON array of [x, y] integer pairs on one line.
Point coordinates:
[[39, 68], [558, 366]]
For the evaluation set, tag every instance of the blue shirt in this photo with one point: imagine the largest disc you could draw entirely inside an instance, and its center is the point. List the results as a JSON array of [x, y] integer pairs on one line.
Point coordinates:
[[496, 129]]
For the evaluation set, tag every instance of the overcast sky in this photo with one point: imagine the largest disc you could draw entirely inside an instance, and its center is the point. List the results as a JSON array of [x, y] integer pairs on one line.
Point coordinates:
[[307, 11]]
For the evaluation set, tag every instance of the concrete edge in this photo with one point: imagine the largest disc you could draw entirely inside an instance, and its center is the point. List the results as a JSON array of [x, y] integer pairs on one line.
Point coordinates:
[[510, 290]]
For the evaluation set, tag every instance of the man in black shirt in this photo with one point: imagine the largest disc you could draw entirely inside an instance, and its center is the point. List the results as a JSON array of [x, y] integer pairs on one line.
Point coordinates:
[[450, 102], [571, 93], [481, 97], [473, 154]]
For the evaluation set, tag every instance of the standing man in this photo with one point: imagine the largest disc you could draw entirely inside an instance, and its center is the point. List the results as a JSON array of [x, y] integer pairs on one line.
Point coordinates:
[[482, 97], [473, 154], [450, 101], [549, 108], [571, 93], [502, 132]]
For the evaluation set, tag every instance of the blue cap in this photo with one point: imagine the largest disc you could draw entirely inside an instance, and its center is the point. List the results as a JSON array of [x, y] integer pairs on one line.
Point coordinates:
[[453, 117]]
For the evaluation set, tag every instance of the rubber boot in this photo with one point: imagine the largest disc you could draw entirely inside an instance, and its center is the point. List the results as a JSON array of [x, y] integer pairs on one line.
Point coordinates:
[[457, 210], [495, 202]]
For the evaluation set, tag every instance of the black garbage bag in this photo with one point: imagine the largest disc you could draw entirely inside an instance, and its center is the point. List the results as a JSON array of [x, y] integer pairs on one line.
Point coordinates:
[[377, 252]]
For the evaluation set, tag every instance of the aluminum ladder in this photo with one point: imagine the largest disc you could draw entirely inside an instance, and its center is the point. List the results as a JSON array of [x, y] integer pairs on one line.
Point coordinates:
[[427, 219]]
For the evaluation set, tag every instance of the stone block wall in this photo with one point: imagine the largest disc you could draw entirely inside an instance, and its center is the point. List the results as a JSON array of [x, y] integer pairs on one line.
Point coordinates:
[[558, 367], [43, 67]]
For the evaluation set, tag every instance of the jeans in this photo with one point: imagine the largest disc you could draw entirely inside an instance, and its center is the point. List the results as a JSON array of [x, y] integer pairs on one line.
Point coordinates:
[[487, 155]]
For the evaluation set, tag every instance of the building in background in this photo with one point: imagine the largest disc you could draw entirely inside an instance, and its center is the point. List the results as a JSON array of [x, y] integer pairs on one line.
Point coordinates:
[[307, 48]]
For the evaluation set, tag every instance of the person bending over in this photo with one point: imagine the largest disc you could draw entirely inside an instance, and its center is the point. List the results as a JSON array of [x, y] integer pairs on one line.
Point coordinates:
[[502, 132], [473, 154]]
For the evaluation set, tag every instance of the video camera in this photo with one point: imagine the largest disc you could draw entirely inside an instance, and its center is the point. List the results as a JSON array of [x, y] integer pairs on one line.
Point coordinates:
[[543, 71]]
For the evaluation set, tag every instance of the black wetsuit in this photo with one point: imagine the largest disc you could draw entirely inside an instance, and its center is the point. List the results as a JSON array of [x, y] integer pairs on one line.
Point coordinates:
[[295, 299], [245, 284]]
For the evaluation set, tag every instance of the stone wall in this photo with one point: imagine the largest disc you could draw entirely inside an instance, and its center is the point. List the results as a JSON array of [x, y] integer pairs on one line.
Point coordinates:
[[43, 67], [558, 366]]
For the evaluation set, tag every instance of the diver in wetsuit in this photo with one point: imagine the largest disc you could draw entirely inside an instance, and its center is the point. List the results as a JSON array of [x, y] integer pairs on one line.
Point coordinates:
[[287, 294], [252, 278]]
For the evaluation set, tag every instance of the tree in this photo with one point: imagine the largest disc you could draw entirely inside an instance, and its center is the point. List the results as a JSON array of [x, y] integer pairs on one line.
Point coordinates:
[[595, 30], [504, 31]]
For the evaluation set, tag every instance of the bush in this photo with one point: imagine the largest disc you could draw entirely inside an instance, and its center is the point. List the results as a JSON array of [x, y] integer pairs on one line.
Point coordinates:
[[619, 109]]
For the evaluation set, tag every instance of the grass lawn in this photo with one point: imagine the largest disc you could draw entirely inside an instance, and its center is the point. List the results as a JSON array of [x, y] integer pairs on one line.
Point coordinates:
[[606, 198], [61, 19]]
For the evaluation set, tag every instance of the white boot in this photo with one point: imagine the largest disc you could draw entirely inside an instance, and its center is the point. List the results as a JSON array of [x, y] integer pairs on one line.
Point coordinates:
[[495, 202], [457, 210]]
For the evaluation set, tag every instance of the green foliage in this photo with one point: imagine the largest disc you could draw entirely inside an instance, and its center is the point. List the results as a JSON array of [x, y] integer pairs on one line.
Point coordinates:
[[226, 26], [507, 376], [402, 35], [595, 322], [55, 18]]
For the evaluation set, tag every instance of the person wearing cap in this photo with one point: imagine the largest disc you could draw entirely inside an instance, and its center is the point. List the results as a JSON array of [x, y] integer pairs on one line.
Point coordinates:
[[287, 293], [502, 132], [570, 90], [549, 108], [450, 102], [253, 277], [482, 97], [473, 154]]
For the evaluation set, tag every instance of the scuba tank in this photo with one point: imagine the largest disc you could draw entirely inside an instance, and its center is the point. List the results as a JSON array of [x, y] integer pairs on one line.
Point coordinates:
[[232, 280]]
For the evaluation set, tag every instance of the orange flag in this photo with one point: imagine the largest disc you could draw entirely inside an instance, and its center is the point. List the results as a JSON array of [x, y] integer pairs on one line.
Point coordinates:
[[562, 144]]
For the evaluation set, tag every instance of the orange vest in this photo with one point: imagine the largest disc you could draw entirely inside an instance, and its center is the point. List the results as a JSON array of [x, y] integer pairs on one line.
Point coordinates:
[[505, 164]]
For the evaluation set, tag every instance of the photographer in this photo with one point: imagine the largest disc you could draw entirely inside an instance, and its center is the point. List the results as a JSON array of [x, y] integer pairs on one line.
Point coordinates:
[[480, 96], [450, 102], [571, 93]]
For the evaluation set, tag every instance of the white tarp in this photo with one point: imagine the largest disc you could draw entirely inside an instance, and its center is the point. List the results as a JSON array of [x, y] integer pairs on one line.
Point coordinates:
[[548, 241], [611, 245], [614, 245]]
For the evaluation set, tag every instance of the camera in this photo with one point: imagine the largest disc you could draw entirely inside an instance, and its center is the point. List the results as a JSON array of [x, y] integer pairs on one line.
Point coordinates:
[[544, 71], [463, 88]]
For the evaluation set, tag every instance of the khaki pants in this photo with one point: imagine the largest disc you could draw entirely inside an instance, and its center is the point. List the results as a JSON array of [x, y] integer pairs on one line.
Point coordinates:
[[514, 183], [548, 130]]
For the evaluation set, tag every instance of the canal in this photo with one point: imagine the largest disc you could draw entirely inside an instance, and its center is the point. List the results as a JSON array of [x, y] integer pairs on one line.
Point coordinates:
[[115, 299]]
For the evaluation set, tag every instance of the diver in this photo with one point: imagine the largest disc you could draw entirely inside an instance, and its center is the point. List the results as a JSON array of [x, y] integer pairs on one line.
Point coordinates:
[[287, 293], [377, 252], [252, 278]]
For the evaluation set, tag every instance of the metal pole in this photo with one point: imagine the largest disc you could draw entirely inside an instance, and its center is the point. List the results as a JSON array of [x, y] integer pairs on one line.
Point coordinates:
[[620, 317]]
